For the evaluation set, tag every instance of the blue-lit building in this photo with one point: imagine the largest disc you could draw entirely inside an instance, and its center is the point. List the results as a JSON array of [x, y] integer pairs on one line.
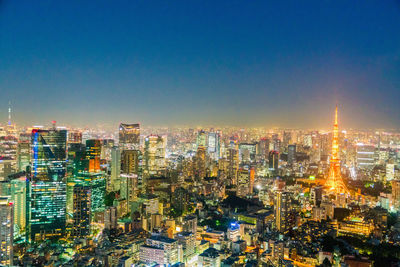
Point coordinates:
[[47, 194]]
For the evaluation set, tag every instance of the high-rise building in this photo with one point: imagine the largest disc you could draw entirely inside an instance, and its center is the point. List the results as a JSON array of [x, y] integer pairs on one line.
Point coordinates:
[[396, 194], [129, 136], [214, 145], [247, 152], [245, 182], [93, 153], [154, 155], [365, 156], [74, 137], [273, 160], [263, 148], [47, 203], [291, 154], [201, 139], [233, 162], [282, 207], [18, 193], [130, 161], [6, 231], [111, 218], [129, 188], [81, 210], [23, 151], [114, 183], [390, 171]]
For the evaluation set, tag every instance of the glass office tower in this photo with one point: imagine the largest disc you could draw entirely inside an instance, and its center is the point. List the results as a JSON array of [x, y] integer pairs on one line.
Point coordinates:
[[47, 201]]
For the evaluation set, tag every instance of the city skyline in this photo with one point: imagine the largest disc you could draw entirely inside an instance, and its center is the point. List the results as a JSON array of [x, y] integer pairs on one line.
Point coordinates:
[[113, 126], [225, 63]]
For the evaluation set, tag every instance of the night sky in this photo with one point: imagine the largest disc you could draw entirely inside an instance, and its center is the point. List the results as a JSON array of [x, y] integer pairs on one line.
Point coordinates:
[[242, 63]]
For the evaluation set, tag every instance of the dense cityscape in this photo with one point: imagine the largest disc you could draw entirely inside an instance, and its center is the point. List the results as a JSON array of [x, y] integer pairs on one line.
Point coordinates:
[[198, 197], [225, 133]]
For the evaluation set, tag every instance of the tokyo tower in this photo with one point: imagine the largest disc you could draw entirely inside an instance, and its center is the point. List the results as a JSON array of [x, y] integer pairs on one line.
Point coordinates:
[[334, 181]]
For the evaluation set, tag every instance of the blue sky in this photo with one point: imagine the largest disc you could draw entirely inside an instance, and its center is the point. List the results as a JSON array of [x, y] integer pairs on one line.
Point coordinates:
[[247, 63]]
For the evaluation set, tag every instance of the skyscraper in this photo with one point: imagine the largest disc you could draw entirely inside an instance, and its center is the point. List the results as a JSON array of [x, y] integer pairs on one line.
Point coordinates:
[[273, 160], [282, 207], [291, 154], [47, 203], [6, 231], [18, 197], [214, 145], [93, 152], [114, 183], [129, 136], [81, 210], [154, 155], [23, 151]]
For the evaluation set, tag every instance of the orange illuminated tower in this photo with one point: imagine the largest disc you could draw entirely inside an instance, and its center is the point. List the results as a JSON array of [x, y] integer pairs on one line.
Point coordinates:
[[334, 182]]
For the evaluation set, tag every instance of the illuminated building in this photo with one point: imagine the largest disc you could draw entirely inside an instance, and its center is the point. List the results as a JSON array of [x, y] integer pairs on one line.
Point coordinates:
[[291, 154], [129, 188], [245, 182], [233, 232], [286, 139], [201, 139], [130, 161], [200, 162], [365, 156], [6, 231], [81, 210], [74, 137], [396, 194], [390, 171], [129, 136], [159, 249], [273, 161], [263, 148], [76, 159], [190, 224], [355, 226], [114, 184], [233, 162], [98, 188], [23, 152], [8, 148], [111, 218], [18, 192], [214, 145], [6, 167], [282, 207], [247, 152], [334, 182], [47, 208], [154, 155], [106, 147], [93, 152], [188, 242]]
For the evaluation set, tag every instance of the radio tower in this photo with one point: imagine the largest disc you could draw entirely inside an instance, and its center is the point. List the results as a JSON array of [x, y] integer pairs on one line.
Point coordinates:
[[334, 182], [9, 113]]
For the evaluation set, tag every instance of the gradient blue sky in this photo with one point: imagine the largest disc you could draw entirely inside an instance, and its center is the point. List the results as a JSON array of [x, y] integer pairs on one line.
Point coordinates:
[[249, 63]]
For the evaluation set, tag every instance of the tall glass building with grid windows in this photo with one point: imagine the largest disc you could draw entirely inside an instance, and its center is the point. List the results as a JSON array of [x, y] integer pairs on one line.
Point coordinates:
[[47, 198]]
